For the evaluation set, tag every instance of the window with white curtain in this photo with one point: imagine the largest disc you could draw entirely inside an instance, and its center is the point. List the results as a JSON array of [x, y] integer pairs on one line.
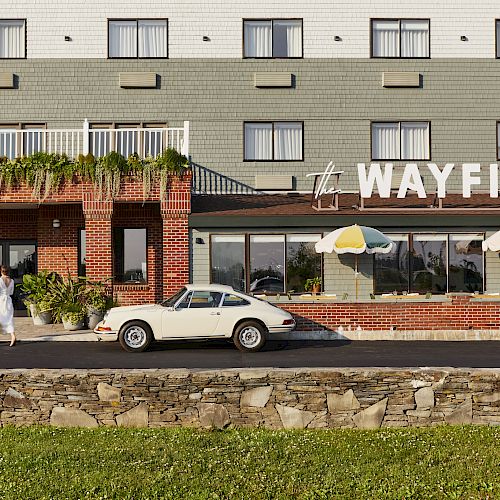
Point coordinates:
[[405, 38], [281, 38], [138, 38], [279, 141], [12, 39], [400, 141]]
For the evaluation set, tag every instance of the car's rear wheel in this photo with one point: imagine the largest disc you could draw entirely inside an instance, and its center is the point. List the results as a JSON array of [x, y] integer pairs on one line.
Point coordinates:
[[249, 336], [135, 336]]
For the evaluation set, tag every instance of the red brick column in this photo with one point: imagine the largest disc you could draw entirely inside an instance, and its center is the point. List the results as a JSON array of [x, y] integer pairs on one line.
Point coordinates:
[[99, 236], [175, 211]]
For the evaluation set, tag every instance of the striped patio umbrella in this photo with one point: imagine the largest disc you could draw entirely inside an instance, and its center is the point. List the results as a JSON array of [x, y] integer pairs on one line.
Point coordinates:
[[355, 239]]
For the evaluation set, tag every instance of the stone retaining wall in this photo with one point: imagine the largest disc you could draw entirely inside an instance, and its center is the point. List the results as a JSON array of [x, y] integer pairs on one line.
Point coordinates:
[[273, 398]]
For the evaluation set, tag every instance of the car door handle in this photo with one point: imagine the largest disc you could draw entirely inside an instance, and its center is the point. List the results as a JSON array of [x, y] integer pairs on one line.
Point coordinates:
[[215, 314]]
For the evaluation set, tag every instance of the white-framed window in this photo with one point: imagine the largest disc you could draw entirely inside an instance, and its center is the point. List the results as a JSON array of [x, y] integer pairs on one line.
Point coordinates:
[[274, 141], [12, 38], [138, 38], [403, 38], [400, 140], [272, 38]]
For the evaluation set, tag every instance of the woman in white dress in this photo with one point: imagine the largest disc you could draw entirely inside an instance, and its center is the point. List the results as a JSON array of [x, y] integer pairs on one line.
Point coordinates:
[[6, 307]]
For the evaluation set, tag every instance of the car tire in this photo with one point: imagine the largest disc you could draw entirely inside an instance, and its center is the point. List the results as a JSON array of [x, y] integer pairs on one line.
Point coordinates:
[[135, 336], [249, 336]]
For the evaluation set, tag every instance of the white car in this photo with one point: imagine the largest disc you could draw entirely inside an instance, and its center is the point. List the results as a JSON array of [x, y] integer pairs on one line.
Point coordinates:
[[197, 312]]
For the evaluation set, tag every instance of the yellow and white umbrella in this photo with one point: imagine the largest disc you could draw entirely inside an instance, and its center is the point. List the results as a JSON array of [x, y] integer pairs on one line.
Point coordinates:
[[355, 239], [492, 243]]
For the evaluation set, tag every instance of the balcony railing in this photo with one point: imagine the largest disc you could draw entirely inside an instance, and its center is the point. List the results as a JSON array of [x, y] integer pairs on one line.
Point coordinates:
[[98, 141]]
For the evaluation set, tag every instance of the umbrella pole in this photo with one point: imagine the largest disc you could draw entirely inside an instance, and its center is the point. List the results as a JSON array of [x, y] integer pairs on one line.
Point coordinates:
[[356, 274]]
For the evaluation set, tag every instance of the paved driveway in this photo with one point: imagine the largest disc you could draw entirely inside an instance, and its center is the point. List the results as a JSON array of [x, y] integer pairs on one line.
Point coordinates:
[[217, 354]]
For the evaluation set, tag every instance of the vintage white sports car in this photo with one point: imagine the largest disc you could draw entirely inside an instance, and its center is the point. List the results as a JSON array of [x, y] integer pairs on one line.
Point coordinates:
[[197, 312]]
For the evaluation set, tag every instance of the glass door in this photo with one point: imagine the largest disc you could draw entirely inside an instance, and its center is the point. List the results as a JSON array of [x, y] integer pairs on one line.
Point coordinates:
[[21, 258]]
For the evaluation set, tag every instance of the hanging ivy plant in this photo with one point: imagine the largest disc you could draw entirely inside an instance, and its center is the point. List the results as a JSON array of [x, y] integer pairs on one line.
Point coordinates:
[[45, 173]]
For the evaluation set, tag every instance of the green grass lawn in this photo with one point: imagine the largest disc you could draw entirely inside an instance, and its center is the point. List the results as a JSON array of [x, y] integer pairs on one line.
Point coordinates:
[[444, 462]]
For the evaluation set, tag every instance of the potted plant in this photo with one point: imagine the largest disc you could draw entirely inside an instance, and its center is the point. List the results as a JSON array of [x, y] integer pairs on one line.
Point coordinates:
[[64, 294], [313, 285], [73, 317], [37, 297], [97, 302]]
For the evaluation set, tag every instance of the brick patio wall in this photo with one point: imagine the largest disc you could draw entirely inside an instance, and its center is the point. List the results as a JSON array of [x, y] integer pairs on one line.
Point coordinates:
[[458, 313], [272, 398], [77, 206]]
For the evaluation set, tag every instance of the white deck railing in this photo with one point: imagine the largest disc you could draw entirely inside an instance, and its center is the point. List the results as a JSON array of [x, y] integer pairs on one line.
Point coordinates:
[[98, 141]]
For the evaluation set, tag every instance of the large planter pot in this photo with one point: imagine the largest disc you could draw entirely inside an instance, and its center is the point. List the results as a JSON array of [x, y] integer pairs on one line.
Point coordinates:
[[316, 289], [40, 318], [93, 318], [68, 325]]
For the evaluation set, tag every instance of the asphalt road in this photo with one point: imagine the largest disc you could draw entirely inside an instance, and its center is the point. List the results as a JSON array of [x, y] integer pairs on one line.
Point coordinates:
[[217, 354]]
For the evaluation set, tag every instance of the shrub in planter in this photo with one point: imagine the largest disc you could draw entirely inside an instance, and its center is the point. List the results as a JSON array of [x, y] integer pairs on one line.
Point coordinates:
[[96, 303], [73, 317], [64, 294], [37, 297]]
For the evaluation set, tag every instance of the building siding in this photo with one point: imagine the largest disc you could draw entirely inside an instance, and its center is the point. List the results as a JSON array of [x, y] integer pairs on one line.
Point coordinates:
[[335, 98], [189, 21]]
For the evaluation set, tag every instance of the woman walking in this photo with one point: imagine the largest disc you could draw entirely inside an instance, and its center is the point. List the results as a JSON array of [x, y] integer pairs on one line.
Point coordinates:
[[6, 307]]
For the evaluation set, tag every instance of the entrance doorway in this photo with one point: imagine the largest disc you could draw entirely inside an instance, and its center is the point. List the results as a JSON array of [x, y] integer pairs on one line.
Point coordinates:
[[20, 256]]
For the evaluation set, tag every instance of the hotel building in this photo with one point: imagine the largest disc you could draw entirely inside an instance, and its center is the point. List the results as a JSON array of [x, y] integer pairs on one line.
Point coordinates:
[[258, 96]]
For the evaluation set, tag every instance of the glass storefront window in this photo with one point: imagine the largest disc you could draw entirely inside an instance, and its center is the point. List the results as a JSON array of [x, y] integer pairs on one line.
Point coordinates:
[[130, 249], [466, 265], [391, 269], [267, 263], [429, 263], [22, 260], [302, 261], [228, 260]]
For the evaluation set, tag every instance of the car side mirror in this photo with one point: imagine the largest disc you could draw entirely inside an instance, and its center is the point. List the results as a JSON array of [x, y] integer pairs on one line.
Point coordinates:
[[171, 309]]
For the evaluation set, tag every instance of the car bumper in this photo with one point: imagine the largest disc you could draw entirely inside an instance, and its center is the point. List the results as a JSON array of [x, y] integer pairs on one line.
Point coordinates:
[[281, 328], [103, 333]]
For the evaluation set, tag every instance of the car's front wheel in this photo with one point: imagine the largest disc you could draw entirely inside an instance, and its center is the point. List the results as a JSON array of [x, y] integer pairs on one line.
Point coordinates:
[[249, 336], [135, 336]]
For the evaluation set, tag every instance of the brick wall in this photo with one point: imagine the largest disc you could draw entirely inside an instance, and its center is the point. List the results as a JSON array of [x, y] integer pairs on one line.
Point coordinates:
[[457, 313], [77, 206], [58, 247]]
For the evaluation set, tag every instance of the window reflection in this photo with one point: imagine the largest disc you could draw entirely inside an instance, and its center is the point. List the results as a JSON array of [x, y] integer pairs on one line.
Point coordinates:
[[466, 263], [391, 269], [228, 260], [428, 263], [130, 255], [267, 263], [302, 260]]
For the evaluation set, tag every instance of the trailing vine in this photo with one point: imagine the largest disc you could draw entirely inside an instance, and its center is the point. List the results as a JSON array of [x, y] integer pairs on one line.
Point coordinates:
[[45, 173]]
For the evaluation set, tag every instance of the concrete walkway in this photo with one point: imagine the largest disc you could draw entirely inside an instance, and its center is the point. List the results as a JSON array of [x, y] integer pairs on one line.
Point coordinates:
[[26, 331]]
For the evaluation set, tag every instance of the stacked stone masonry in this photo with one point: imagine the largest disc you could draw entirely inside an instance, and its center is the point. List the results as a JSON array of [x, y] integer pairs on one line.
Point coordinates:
[[271, 398]]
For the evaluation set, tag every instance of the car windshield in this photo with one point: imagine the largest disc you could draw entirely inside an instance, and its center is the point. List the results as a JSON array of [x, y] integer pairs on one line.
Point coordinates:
[[170, 302]]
